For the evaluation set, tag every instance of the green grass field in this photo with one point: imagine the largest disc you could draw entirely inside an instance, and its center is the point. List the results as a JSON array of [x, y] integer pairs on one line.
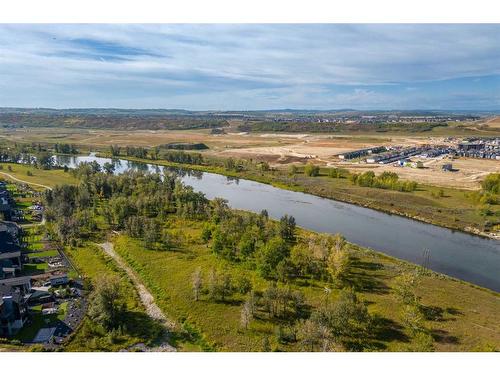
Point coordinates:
[[43, 254], [39, 176], [464, 316]]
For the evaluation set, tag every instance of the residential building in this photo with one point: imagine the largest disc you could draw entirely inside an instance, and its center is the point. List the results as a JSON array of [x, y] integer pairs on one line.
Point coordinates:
[[13, 310]]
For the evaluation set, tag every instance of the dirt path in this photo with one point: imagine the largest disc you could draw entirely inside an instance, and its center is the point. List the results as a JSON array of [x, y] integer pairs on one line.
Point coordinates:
[[147, 300], [24, 181]]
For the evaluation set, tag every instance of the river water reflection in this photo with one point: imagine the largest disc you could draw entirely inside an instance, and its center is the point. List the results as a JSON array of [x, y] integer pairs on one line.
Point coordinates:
[[457, 254]]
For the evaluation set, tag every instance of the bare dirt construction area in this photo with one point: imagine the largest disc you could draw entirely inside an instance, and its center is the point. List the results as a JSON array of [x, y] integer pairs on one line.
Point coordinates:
[[281, 149], [303, 147], [467, 172]]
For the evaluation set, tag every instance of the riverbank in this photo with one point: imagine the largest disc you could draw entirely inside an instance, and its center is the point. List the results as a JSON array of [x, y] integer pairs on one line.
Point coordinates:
[[451, 209], [460, 316]]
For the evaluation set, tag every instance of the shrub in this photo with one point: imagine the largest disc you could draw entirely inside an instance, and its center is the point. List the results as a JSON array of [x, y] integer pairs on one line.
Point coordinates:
[[311, 170]]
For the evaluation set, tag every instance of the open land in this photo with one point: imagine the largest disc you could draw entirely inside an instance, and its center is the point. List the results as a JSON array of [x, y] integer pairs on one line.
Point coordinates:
[[453, 308], [282, 149], [167, 273]]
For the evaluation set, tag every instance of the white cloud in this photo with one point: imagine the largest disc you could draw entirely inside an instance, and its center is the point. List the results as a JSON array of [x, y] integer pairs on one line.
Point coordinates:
[[256, 66]]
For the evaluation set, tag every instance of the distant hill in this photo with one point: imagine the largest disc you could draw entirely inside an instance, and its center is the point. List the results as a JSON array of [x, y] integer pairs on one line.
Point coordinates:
[[178, 119]]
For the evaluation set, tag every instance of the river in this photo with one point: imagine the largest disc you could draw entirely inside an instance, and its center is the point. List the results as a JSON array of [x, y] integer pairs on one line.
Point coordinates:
[[464, 256]]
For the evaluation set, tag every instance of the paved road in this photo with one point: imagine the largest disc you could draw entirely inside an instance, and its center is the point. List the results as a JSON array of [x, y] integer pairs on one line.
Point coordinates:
[[147, 300], [25, 182]]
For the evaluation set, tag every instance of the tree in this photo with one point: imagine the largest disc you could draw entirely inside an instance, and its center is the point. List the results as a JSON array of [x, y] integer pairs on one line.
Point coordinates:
[[287, 228], [269, 256], [309, 334], [302, 259], [246, 315], [219, 285], [491, 183], [246, 245], [293, 170], [412, 318], [154, 153], [284, 270], [338, 260], [347, 317], [422, 342], [264, 166], [115, 150], [206, 232], [106, 308], [219, 209], [270, 299], [243, 285], [197, 283], [229, 164], [151, 233], [44, 160], [226, 286], [405, 286], [109, 168], [217, 241], [311, 170], [334, 173]]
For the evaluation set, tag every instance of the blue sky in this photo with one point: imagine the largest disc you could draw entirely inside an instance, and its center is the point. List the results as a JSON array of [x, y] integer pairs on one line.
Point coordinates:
[[248, 67]]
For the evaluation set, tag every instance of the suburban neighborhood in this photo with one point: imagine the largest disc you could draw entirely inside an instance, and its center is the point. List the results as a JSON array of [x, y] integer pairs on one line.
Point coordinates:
[[41, 297]]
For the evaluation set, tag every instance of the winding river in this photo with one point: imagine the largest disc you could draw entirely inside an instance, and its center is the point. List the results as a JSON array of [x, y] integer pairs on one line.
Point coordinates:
[[467, 257]]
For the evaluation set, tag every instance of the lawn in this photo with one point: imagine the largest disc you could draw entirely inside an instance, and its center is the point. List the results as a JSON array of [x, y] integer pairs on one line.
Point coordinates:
[[43, 254], [28, 332], [34, 268], [35, 246], [50, 178], [464, 316]]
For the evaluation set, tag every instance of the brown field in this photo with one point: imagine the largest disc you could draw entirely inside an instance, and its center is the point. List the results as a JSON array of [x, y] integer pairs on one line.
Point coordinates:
[[494, 123], [145, 138], [279, 149], [303, 148]]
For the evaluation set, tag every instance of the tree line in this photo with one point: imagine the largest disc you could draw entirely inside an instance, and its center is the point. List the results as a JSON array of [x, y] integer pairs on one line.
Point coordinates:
[[139, 204]]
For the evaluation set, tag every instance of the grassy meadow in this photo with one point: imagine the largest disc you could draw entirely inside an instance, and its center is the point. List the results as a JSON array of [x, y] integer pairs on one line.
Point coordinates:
[[34, 175], [459, 316]]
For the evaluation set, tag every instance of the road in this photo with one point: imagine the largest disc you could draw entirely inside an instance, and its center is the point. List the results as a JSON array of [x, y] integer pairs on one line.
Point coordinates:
[[147, 300], [24, 181]]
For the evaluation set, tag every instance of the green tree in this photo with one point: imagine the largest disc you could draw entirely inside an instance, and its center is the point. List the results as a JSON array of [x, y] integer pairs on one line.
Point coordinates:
[[338, 260], [405, 286], [109, 168], [311, 170], [287, 228], [269, 256], [107, 308], [491, 183], [293, 170]]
